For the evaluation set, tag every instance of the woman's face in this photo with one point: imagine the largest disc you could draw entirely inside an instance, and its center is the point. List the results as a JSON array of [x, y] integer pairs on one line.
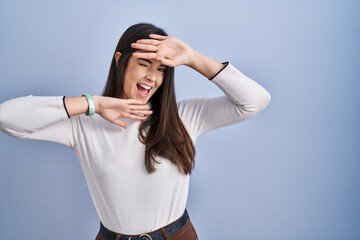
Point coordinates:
[[142, 78]]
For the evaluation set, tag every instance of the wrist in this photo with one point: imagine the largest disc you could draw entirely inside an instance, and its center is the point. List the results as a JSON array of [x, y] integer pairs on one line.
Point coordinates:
[[193, 55], [96, 103], [205, 65]]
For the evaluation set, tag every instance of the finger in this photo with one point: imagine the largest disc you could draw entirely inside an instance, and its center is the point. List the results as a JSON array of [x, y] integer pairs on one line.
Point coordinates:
[[149, 55], [144, 47], [135, 108], [165, 61], [138, 117], [120, 123], [158, 37], [149, 41], [132, 101], [137, 113], [142, 113]]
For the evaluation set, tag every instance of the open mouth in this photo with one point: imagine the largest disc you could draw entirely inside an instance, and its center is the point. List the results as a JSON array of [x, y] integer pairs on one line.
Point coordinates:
[[143, 89]]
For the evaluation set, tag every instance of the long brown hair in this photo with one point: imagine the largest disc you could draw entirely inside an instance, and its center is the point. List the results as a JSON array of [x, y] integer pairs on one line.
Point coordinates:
[[163, 133]]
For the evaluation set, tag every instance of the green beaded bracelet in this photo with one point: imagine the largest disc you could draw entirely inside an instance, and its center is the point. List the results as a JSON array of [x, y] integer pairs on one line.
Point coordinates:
[[90, 100]]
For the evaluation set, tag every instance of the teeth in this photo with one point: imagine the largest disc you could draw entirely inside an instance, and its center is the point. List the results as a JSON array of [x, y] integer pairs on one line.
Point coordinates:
[[145, 86]]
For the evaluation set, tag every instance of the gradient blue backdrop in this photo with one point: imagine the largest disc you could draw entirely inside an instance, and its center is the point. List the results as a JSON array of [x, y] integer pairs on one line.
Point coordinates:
[[291, 173]]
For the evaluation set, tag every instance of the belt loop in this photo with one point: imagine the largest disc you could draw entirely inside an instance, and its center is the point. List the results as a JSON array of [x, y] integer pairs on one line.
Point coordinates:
[[167, 237]]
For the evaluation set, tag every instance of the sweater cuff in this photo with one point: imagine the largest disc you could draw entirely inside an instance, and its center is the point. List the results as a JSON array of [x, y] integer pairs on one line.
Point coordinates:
[[225, 65], [67, 113]]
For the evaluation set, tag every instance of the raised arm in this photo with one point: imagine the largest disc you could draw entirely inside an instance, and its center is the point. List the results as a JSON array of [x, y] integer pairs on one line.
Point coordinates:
[[243, 98]]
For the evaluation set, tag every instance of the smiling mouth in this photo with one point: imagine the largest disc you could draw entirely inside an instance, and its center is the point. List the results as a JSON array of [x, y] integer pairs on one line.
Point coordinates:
[[143, 89]]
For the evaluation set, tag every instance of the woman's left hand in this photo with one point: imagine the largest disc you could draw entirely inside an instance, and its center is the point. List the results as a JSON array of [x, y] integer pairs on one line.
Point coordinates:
[[169, 51]]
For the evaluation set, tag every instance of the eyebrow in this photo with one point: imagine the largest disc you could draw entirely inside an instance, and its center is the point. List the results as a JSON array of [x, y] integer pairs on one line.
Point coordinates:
[[150, 62]]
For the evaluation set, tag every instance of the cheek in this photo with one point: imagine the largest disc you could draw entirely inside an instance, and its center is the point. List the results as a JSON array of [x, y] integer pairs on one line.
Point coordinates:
[[130, 78], [160, 80]]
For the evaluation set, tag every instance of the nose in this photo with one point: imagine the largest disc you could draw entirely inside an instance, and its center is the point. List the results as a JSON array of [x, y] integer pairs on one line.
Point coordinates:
[[151, 75]]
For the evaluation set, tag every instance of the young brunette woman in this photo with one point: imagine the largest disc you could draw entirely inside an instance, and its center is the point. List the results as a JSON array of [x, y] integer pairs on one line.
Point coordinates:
[[135, 143]]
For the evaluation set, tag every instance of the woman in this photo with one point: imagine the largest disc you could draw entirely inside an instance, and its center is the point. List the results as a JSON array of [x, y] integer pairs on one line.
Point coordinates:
[[136, 143]]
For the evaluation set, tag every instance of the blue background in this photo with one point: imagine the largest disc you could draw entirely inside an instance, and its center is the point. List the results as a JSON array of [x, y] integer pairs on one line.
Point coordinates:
[[291, 173]]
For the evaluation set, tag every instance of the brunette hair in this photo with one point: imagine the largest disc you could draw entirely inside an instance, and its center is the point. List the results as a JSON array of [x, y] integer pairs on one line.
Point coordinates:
[[163, 133]]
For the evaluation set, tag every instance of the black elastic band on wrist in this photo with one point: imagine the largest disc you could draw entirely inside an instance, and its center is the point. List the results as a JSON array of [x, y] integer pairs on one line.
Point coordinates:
[[225, 65], [67, 113]]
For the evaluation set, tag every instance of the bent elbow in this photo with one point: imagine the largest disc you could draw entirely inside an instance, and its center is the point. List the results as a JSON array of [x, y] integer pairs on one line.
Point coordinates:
[[264, 101], [256, 105], [8, 122], [260, 103], [3, 120]]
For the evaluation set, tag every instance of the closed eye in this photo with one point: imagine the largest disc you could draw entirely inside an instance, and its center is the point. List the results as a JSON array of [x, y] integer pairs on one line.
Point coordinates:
[[143, 64]]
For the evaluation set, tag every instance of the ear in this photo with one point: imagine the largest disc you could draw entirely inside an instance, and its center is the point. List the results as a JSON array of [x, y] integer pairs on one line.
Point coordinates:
[[117, 57]]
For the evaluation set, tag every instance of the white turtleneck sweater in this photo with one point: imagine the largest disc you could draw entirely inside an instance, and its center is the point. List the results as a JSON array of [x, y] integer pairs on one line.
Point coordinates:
[[128, 200]]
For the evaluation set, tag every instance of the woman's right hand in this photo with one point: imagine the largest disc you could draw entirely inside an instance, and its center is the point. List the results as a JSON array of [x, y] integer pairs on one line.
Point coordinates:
[[113, 109]]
